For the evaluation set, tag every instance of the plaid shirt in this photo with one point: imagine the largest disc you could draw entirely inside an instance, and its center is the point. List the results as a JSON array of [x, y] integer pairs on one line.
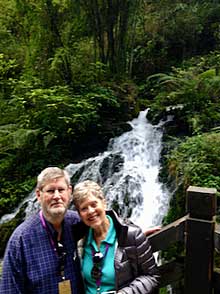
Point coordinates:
[[30, 263]]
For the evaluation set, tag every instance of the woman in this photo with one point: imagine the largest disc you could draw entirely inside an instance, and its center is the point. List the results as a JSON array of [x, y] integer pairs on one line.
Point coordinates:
[[117, 257]]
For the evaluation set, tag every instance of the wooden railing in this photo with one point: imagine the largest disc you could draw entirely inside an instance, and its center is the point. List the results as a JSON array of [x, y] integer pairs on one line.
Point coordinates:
[[193, 272]]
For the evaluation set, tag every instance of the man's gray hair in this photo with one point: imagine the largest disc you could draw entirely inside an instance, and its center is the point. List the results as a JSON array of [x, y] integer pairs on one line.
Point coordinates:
[[51, 173]]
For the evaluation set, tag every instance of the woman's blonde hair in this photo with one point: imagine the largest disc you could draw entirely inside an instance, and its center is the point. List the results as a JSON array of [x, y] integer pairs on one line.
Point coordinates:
[[85, 189]]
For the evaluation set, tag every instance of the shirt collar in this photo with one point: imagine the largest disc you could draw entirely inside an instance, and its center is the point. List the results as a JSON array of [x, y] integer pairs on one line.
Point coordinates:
[[52, 231], [110, 237]]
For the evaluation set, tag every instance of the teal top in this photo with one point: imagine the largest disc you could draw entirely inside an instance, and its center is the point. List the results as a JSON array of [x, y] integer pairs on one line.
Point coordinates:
[[108, 271]]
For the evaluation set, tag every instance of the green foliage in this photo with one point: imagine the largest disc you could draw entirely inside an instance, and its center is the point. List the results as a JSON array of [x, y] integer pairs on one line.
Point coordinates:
[[9, 26], [138, 37], [13, 191], [172, 31], [59, 111], [40, 124], [12, 137], [79, 64], [6, 67], [7, 72], [196, 88], [111, 27], [195, 161], [56, 111]]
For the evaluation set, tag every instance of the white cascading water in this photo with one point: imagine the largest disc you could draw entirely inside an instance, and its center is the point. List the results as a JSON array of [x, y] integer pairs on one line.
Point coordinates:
[[134, 183], [128, 172]]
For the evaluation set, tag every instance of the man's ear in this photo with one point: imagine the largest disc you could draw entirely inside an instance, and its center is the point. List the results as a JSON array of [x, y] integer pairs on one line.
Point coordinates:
[[37, 192]]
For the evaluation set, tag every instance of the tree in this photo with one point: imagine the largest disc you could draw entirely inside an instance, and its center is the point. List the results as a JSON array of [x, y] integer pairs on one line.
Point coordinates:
[[110, 22]]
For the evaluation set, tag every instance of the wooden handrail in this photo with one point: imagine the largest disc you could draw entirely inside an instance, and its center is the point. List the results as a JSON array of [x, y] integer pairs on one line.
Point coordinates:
[[175, 232], [168, 234], [200, 235]]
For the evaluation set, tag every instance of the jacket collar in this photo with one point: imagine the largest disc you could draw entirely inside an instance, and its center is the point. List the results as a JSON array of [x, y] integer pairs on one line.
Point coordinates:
[[120, 227]]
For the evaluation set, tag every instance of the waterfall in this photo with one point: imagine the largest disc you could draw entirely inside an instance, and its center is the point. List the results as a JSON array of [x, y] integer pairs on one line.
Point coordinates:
[[128, 172]]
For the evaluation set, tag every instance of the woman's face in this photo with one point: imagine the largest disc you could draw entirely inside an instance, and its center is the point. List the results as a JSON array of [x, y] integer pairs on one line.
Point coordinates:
[[92, 211]]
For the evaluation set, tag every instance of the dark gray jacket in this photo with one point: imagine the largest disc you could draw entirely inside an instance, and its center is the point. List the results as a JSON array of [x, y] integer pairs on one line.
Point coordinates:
[[135, 267]]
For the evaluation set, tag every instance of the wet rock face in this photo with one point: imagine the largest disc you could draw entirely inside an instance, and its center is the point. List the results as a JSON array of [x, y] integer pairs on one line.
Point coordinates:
[[7, 228], [110, 165]]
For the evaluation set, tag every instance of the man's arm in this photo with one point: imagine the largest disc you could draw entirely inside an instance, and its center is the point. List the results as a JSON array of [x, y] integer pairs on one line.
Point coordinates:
[[12, 281]]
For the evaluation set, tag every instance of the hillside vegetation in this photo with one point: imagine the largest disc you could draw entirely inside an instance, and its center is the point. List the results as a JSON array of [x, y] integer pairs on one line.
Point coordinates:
[[72, 72]]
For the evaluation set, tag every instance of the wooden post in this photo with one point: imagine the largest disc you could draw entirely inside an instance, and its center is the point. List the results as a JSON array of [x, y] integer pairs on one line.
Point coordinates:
[[199, 238]]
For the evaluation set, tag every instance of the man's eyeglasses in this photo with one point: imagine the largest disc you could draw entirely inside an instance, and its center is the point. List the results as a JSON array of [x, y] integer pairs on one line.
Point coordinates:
[[51, 192], [96, 271]]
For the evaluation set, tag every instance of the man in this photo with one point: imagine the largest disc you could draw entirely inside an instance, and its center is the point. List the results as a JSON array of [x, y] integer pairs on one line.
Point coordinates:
[[41, 254]]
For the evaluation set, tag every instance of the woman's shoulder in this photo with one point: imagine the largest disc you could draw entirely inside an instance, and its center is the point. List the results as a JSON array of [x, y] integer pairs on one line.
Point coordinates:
[[134, 230]]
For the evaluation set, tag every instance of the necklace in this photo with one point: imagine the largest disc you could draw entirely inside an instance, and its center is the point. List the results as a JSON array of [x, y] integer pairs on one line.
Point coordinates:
[[96, 272]]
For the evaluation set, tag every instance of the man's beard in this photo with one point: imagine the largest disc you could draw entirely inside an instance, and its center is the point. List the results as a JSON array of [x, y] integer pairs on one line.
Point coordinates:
[[52, 213], [57, 211]]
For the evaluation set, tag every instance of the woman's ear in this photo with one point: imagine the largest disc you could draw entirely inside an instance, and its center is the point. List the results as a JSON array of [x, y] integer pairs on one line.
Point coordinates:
[[105, 204]]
